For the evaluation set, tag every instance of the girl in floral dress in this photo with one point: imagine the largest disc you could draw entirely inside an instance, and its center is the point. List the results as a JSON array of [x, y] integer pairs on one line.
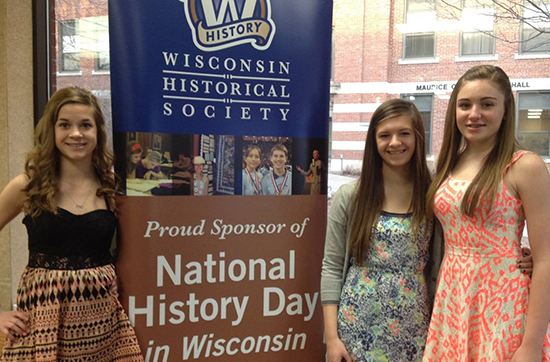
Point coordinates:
[[374, 294], [485, 188]]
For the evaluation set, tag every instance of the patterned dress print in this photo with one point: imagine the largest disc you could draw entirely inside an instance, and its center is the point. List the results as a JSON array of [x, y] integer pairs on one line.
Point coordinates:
[[384, 310], [74, 313], [482, 299]]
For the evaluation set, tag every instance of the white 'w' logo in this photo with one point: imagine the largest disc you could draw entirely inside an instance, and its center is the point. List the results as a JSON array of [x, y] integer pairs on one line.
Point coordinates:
[[227, 7]]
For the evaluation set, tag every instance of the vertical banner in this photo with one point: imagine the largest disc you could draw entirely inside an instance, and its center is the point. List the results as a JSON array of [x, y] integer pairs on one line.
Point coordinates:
[[220, 113]]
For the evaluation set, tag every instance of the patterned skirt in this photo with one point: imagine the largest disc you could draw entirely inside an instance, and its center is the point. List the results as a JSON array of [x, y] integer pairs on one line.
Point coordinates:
[[74, 316], [383, 316], [480, 309]]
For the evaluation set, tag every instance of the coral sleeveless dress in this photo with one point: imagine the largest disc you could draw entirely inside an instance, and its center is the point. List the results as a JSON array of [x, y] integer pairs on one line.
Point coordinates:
[[482, 299]]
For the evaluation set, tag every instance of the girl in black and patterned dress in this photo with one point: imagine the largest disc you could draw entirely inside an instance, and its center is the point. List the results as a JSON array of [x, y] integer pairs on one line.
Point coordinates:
[[67, 306]]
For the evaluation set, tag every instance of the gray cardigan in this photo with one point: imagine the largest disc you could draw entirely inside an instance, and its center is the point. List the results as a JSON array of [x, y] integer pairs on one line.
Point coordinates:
[[336, 261]]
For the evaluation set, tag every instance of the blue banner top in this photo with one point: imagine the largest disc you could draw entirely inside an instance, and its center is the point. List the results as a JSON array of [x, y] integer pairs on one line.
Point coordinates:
[[234, 67]]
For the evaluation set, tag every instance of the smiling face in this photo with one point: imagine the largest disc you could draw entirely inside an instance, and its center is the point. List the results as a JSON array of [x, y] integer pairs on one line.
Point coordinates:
[[278, 159], [198, 168], [76, 132], [479, 111], [135, 157], [395, 141], [253, 159]]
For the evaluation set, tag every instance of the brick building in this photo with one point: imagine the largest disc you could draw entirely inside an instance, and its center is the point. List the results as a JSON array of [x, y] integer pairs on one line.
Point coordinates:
[[405, 48], [79, 44]]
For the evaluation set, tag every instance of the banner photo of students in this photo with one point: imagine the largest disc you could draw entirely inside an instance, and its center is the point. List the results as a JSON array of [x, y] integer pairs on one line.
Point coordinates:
[[227, 100]]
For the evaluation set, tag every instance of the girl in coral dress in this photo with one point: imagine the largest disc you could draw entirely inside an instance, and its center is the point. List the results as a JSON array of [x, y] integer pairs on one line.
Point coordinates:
[[484, 190]]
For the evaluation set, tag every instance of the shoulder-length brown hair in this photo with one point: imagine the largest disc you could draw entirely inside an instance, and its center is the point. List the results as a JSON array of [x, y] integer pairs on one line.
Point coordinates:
[[369, 197], [488, 179], [42, 164]]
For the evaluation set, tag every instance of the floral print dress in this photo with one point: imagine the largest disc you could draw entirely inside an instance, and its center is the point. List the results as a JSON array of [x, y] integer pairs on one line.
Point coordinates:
[[384, 310]]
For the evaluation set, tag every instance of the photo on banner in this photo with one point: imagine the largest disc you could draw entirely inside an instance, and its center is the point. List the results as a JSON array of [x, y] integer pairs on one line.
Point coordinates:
[[227, 99]]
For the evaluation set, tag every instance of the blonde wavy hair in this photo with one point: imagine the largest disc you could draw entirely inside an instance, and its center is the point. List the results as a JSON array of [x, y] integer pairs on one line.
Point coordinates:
[[42, 164]]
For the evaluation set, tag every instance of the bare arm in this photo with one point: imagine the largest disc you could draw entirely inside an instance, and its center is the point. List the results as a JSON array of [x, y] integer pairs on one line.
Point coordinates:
[[11, 198], [532, 182], [336, 351], [301, 170]]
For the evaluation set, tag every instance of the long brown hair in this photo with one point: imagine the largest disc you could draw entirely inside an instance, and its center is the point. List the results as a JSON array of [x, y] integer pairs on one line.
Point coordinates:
[[369, 197], [42, 164], [485, 183]]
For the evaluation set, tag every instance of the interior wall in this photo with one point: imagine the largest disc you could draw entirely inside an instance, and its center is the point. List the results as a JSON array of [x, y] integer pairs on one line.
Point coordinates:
[[16, 128]]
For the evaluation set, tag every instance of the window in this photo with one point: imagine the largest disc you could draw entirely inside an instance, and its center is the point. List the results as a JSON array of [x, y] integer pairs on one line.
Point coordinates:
[[101, 37], [477, 43], [533, 41], [478, 25], [534, 122], [420, 44], [102, 61], [424, 103], [82, 56], [69, 46], [535, 33]]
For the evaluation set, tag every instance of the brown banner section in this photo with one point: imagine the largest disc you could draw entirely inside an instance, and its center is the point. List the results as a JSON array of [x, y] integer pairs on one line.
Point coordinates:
[[223, 278]]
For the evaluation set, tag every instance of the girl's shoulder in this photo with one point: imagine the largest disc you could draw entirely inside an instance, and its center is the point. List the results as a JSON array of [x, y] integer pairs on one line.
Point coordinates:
[[20, 181], [345, 193], [524, 168], [14, 193], [348, 189], [341, 202], [525, 162]]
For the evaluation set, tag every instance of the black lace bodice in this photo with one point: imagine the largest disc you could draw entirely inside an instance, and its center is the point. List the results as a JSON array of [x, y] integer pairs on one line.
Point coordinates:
[[68, 241]]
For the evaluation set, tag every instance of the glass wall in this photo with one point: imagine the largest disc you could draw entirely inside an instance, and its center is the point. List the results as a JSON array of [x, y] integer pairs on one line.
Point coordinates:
[[534, 122], [80, 50]]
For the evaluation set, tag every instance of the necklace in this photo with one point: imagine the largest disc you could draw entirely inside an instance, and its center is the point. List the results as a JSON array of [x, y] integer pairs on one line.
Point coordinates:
[[79, 206]]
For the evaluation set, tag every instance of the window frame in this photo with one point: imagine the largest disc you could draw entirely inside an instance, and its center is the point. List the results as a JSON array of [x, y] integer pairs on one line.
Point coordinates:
[[98, 68], [518, 110], [477, 55], [523, 29], [405, 36], [421, 33], [61, 56], [428, 134], [523, 41], [42, 40]]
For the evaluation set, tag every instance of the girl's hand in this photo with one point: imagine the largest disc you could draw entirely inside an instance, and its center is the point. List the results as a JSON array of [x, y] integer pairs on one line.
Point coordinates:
[[336, 351], [114, 287], [14, 323], [526, 354], [525, 263]]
